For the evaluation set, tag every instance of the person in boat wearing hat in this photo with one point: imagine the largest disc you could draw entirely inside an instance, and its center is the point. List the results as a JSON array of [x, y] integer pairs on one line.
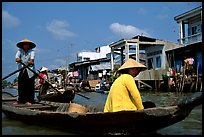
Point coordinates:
[[124, 94], [43, 76], [26, 78]]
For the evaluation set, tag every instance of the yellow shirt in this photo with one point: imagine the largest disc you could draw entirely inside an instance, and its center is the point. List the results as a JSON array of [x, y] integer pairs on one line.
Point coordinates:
[[123, 95]]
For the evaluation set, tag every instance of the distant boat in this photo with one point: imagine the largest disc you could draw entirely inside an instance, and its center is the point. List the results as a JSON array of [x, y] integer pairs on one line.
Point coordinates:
[[92, 119], [61, 96], [101, 89]]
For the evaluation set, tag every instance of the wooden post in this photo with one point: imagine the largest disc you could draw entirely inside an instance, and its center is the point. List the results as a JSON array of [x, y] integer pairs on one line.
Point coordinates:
[[201, 85], [155, 80], [183, 79], [197, 78]]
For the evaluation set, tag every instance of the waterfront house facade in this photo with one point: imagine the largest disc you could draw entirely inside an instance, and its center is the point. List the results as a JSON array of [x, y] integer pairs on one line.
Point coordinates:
[[190, 24], [92, 65], [155, 58]]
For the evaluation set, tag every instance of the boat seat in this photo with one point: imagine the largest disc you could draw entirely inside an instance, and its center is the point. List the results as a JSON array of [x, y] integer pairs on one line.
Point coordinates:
[[94, 108], [62, 108], [39, 107]]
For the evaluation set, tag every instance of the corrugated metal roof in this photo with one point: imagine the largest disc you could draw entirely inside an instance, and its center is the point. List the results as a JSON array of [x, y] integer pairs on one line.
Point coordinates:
[[100, 67]]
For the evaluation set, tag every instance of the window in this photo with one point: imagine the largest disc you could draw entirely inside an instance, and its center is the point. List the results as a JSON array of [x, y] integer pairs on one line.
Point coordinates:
[[86, 59], [79, 58], [154, 53], [150, 63], [158, 62], [194, 30]]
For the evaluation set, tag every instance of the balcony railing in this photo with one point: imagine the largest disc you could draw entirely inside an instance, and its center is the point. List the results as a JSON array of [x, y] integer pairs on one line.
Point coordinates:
[[191, 39]]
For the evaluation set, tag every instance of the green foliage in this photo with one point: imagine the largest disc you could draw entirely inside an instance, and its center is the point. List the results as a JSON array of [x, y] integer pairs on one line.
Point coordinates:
[[5, 83], [114, 76]]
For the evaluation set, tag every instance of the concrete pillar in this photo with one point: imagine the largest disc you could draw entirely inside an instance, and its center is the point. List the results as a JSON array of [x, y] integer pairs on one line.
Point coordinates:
[[121, 56], [112, 58], [182, 32], [126, 51]]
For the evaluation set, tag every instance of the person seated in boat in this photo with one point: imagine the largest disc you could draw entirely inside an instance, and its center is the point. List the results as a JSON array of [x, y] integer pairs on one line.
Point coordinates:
[[43, 85], [172, 85], [84, 85], [124, 94]]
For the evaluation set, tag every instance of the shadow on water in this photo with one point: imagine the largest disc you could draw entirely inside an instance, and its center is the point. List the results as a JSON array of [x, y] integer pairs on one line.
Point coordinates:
[[192, 125]]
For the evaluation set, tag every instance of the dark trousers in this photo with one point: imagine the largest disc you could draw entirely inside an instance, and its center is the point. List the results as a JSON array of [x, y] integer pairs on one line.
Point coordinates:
[[26, 85]]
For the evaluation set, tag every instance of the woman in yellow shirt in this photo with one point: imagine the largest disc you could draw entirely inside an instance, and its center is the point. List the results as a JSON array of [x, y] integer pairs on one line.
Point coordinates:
[[124, 94]]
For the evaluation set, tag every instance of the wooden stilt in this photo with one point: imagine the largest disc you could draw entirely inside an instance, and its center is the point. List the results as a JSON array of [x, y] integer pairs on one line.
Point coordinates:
[[139, 86], [192, 85], [197, 78], [145, 84], [183, 79]]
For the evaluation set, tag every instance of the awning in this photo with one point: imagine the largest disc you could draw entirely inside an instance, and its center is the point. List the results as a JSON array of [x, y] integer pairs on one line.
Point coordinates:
[[100, 67]]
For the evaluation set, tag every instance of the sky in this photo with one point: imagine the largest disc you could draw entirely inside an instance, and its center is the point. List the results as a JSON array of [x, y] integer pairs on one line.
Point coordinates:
[[62, 29]]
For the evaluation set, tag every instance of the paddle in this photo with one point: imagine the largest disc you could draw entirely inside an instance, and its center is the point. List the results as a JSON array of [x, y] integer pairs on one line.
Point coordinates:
[[13, 73], [75, 87], [82, 95], [49, 83]]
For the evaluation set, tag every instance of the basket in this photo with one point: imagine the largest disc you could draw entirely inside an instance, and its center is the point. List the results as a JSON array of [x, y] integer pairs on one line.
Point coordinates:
[[76, 108]]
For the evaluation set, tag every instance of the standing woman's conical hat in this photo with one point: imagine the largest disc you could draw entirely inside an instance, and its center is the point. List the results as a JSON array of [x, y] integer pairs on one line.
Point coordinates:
[[26, 41], [131, 63]]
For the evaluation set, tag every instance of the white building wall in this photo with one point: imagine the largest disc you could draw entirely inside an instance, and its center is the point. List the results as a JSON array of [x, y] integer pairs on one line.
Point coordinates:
[[154, 50], [94, 55], [105, 49]]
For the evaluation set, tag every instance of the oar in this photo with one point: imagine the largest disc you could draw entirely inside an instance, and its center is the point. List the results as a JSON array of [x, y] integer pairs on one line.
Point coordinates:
[[13, 73], [40, 77], [49, 83], [82, 95], [75, 91]]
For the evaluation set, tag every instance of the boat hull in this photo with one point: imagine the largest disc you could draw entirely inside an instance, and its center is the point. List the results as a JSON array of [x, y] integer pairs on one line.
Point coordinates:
[[137, 122]]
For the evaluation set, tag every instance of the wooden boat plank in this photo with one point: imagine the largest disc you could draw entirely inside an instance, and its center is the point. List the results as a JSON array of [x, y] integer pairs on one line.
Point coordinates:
[[9, 99], [36, 105], [25, 105]]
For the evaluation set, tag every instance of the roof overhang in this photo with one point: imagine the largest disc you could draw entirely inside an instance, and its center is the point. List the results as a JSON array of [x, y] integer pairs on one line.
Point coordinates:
[[189, 14]]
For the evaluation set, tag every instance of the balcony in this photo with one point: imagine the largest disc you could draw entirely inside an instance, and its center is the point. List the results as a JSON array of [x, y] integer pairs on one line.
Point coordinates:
[[191, 39]]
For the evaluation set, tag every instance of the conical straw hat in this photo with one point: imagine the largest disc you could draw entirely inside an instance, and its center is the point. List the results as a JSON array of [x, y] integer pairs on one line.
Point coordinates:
[[26, 41], [131, 63], [43, 69]]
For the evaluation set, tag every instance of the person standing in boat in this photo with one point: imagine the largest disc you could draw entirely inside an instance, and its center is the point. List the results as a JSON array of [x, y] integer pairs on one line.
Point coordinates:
[[26, 78], [43, 76], [124, 94]]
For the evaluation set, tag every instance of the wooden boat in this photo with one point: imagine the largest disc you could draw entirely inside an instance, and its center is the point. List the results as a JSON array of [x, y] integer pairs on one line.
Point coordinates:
[[63, 96], [92, 118]]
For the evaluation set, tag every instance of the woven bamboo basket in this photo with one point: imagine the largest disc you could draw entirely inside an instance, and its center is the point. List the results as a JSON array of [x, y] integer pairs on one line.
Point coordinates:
[[76, 108]]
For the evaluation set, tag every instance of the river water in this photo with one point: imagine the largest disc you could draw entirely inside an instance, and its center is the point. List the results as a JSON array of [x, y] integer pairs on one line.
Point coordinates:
[[192, 125]]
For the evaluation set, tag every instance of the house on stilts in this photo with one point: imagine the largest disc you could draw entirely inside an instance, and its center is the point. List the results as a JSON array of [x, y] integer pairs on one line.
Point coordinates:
[[154, 51]]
